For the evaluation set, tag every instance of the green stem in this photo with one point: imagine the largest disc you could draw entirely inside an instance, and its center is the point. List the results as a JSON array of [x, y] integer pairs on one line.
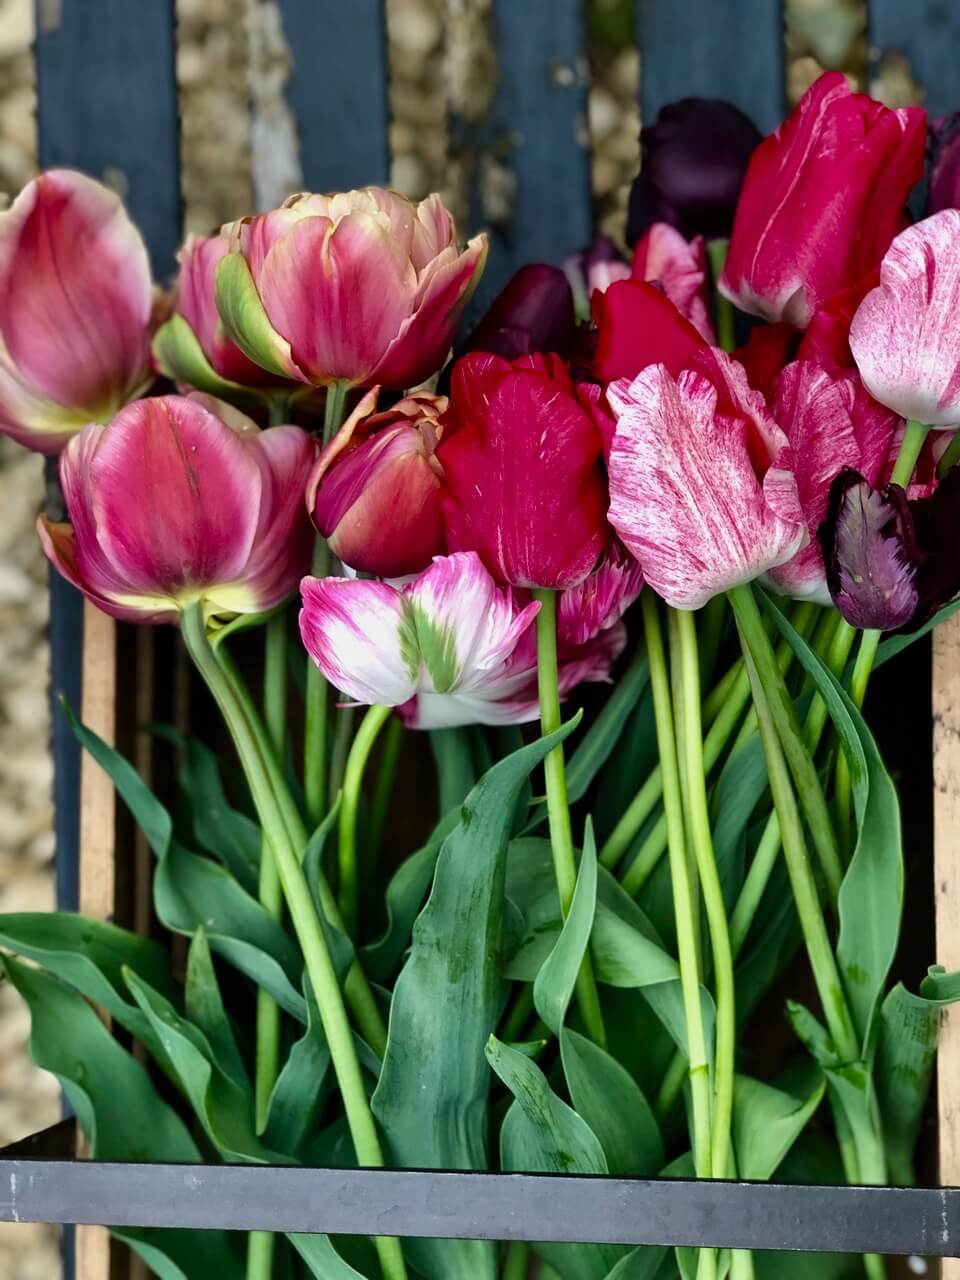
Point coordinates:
[[260, 1250], [383, 787], [306, 923], [359, 994], [805, 776], [698, 826], [374, 720], [515, 1263], [558, 809], [343, 724], [802, 880], [697, 1062], [726, 316], [279, 410], [270, 893]]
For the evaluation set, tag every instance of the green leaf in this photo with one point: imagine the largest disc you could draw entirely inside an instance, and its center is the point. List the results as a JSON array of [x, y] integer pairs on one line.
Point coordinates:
[[245, 319], [607, 1097], [940, 986], [431, 1101], [180, 357], [555, 983], [767, 1121], [205, 1009], [302, 1087], [812, 1034], [871, 896], [597, 744], [224, 1109], [644, 1263], [541, 1134], [453, 759], [322, 1258], [313, 854], [742, 783], [893, 645]]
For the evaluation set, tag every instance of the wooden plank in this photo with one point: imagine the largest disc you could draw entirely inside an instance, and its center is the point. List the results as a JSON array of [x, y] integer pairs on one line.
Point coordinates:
[[338, 91], [98, 878], [926, 33], [729, 49], [946, 819]]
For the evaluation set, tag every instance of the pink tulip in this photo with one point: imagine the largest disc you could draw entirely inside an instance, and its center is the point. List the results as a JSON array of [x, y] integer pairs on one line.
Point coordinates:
[[701, 490], [75, 305], [375, 492], [179, 500], [905, 336], [822, 200], [600, 601], [831, 423], [679, 267], [362, 287]]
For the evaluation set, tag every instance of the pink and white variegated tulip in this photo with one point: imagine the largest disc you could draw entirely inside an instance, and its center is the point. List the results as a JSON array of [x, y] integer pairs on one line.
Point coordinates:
[[181, 500], [362, 287], [600, 601], [701, 490], [831, 423], [679, 266], [448, 648], [75, 306], [905, 336]]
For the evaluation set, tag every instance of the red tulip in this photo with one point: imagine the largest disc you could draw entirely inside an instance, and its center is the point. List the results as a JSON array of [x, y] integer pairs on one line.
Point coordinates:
[[823, 198], [638, 325], [767, 350], [524, 480], [374, 493]]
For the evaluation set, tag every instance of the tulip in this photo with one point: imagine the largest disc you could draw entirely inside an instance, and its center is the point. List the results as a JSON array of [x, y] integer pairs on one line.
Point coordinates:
[[180, 500], [823, 198], [600, 601], [598, 267], [192, 347], [905, 336], [891, 561], [522, 464], [533, 312], [768, 349], [831, 424], [665, 258], [638, 325], [75, 306], [944, 188], [694, 157], [827, 338], [700, 487], [362, 288], [374, 493]]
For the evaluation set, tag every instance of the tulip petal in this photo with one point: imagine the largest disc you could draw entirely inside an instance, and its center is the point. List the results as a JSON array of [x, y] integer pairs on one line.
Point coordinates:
[[30, 418], [679, 267], [75, 293], [360, 634], [601, 600], [180, 357], [684, 496], [638, 326], [904, 336], [247, 322]]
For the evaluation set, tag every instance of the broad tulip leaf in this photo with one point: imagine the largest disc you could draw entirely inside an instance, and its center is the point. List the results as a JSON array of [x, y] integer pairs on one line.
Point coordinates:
[[871, 896], [453, 757], [322, 1259], [180, 357], [644, 1263], [302, 1087], [245, 319], [121, 1113], [597, 744], [555, 983], [205, 1009], [541, 1134], [767, 1121], [446, 1004]]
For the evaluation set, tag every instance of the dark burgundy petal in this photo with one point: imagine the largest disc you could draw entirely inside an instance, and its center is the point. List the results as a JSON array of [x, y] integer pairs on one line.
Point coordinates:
[[533, 312], [936, 520]]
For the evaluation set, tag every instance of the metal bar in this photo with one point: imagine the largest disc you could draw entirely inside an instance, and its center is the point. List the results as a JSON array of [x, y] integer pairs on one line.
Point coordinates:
[[515, 1206]]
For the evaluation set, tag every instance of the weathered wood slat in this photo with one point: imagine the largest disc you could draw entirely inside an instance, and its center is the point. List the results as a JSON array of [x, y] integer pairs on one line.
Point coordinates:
[[729, 49], [927, 34], [338, 91]]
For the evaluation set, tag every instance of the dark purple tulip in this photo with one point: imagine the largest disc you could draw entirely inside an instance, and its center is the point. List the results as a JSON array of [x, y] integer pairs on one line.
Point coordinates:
[[943, 154], [694, 158], [533, 312]]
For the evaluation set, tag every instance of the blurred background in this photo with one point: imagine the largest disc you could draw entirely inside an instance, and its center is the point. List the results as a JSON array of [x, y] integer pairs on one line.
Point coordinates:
[[232, 66]]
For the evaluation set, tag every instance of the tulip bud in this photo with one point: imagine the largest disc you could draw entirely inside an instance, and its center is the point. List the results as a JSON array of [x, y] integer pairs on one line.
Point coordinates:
[[178, 500], [533, 312], [75, 306], [524, 485], [591, 269], [679, 268], [694, 157], [362, 287], [374, 493], [838, 151]]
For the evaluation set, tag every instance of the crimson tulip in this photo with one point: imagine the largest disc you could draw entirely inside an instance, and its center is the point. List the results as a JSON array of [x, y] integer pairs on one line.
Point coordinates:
[[638, 325], [823, 197], [524, 484], [179, 500]]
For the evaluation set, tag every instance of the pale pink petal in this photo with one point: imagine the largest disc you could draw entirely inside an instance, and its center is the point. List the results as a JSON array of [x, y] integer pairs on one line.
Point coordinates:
[[30, 418], [905, 336], [433, 231], [592, 662], [684, 495], [360, 635], [664, 257]]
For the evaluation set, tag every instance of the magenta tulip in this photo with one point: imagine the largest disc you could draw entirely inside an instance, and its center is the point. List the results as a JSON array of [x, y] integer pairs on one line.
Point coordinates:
[[822, 200], [180, 500], [905, 336], [600, 600], [701, 490], [375, 492], [362, 287], [75, 305], [679, 267]]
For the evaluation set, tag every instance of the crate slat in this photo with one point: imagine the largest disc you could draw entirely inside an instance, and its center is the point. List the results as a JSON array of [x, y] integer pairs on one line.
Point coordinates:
[[927, 34], [729, 49]]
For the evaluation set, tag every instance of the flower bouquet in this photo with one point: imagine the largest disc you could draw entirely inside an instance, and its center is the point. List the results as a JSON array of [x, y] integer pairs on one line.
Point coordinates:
[[554, 955]]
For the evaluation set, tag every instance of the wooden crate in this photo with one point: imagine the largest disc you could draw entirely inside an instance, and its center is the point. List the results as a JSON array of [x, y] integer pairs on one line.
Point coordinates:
[[108, 105]]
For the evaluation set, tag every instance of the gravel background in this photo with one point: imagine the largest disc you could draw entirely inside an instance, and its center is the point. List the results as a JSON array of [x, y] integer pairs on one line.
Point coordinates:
[[439, 50]]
